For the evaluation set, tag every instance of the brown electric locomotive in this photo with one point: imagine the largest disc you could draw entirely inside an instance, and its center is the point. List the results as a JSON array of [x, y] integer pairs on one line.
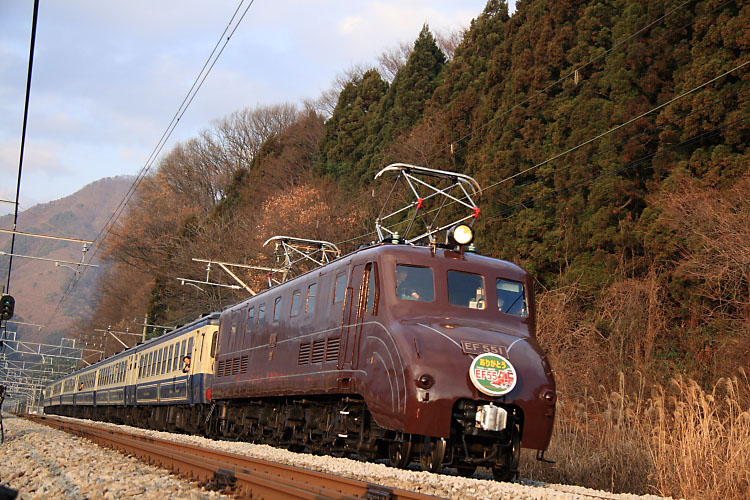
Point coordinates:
[[394, 351]]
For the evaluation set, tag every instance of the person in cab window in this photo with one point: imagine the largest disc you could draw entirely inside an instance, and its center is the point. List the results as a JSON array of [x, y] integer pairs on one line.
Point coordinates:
[[81, 387], [405, 288], [186, 364]]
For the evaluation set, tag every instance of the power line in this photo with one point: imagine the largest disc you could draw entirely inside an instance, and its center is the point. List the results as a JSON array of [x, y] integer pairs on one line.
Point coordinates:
[[511, 210], [595, 138], [618, 127], [560, 80], [23, 138], [187, 100]]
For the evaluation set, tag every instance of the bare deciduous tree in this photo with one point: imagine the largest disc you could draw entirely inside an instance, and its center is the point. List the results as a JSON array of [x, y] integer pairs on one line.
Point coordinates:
[[326, 102]]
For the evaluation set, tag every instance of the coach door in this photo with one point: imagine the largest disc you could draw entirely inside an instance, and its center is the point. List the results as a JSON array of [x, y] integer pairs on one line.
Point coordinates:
[[353, 313]]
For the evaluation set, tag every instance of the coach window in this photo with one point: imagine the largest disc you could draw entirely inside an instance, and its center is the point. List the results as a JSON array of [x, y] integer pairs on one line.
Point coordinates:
[[153, 363], [511, 298], [373, 292], [140, 367], [213, 344], [190, 347], [261, 314], [160, 362], [250, 319], [312, 290], [415, 283], [277, 309], [175, 350], [340, 292], [466, 290], [296, 303], [170, 358]]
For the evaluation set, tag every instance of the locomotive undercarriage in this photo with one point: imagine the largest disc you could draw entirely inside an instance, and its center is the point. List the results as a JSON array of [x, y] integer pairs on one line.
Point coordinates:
[[341, 427]]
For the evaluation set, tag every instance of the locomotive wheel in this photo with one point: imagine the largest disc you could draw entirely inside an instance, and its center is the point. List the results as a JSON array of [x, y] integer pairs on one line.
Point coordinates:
[[433, 453], [507, 466], [399, 451]]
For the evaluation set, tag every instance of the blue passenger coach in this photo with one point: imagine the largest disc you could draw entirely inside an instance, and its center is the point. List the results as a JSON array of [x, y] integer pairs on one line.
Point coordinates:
[[173, 370]]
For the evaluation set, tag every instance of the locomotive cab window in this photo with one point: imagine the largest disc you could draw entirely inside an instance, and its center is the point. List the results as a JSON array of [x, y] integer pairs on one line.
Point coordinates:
[[415, 283], [466, 290], [511, 298], [340, 291]]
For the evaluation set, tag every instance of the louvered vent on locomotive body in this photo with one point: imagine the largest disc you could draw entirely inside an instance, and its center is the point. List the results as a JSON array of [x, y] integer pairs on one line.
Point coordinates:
[[303, 358], [332, 349], [318, 351]]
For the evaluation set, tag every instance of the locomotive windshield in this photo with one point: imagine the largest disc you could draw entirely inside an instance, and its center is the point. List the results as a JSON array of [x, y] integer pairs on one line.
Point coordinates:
[[415, 283], [466, 290], [511, 298]]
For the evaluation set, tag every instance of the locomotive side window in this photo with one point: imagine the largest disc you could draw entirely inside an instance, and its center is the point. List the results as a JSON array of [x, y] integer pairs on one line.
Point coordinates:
[[296, 303], [312, 290], [261, 314], [373, 292], [250, 319], [340, 292], [415, 283], [466, 290], [511, 298], [277, 309]]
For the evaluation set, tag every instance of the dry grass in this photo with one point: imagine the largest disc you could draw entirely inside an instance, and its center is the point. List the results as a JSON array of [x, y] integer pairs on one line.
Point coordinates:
[[679, 441]]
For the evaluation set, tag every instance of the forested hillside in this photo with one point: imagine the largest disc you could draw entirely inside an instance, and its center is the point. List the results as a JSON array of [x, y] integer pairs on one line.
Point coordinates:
[[40, 285], [611, 141]]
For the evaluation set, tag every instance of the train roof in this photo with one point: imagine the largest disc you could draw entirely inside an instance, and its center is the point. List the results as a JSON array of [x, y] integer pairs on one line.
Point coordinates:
[[211, 318]]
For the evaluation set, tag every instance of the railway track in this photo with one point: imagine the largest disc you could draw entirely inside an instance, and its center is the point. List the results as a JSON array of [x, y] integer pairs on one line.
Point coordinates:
[[242, 476], [247, 477]]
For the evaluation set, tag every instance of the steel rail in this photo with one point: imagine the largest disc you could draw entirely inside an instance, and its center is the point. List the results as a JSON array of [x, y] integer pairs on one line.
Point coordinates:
[[244, 476]]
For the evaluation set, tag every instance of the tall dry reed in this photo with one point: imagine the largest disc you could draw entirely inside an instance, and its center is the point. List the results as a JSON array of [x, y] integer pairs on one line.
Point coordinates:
[[680, 441]]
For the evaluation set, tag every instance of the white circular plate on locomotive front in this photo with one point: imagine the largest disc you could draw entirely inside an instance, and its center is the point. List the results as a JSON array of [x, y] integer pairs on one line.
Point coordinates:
[[492, 374]]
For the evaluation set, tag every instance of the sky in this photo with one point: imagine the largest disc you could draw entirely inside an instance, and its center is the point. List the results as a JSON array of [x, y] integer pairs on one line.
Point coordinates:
[[109, 76]]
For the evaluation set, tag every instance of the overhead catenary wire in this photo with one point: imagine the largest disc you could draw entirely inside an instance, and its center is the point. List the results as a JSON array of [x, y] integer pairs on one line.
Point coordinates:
[[513, 209], [456, 145], [187, 100], [588, 141]]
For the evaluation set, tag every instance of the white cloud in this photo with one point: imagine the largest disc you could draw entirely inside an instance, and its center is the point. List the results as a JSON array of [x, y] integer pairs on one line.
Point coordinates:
[[348, 25], [108, 76]]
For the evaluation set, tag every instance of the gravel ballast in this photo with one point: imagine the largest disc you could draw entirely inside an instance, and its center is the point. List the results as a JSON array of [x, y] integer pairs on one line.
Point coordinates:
[[44, 463], [440, 485]]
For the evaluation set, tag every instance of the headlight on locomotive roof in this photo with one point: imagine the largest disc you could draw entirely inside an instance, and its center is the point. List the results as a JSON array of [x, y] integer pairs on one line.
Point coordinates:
[[461, 234]]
